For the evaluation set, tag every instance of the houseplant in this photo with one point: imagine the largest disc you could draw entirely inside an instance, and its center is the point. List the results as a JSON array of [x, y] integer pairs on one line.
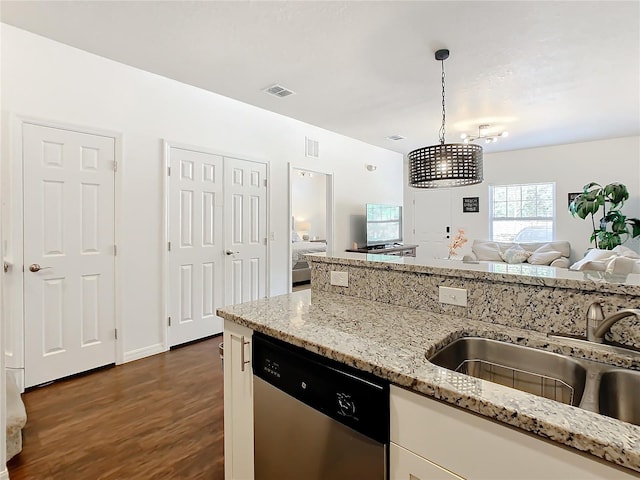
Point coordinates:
[[613, 228]]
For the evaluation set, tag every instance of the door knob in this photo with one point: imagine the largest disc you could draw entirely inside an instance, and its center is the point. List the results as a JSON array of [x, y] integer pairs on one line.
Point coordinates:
[[230, 252], [34, 267]]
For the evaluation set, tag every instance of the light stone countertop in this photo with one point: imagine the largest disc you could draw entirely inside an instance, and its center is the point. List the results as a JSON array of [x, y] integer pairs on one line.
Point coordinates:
[[393, 343], [522, 273]]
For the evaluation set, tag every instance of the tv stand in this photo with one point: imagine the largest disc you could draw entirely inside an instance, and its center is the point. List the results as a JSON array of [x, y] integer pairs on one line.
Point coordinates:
[[398, 250]]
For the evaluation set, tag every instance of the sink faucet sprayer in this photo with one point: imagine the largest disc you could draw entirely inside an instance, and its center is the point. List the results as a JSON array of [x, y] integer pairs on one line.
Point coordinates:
[[598, 325]]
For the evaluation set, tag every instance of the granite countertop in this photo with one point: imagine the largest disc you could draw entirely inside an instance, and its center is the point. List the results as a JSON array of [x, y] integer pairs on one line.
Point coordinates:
[[393, 342], [522, 273]]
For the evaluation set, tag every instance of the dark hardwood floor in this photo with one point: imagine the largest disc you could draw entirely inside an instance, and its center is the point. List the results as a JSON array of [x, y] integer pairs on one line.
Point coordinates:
[[300, 286], [156, 418]]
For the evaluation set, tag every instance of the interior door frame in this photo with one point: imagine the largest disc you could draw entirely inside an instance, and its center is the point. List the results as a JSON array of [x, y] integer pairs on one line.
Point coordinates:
[[330, 214], [15, 255], [164, 269]]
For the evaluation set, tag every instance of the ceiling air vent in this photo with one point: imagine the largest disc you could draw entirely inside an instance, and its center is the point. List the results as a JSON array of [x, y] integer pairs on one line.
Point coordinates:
[[279, 91], [311, 148], [395, 137]]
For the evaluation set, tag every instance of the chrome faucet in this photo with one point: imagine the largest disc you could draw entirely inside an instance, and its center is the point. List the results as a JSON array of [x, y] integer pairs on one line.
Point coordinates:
[[598, 325]]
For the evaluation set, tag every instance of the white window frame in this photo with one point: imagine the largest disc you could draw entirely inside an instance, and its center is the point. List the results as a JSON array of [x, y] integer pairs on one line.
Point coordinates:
[[532, 219]]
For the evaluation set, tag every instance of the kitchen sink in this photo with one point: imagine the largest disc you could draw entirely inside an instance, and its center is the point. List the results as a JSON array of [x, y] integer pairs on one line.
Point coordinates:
[[593, 386], [542, 373], [618, 395]]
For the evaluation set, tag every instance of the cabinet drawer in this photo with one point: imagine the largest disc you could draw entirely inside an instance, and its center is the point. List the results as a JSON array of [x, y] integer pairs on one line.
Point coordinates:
[[405, 465]]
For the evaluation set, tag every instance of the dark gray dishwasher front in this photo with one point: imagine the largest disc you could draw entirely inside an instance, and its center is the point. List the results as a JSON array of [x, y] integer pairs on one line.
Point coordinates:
[[316, 419]]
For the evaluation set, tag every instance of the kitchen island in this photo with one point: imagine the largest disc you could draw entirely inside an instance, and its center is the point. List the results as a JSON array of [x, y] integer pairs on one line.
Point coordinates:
[[393, 342]]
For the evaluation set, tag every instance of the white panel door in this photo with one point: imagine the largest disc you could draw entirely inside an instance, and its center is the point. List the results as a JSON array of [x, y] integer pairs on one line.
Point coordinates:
[[196, 263], [432, 218], [68, 252], [245, 230]]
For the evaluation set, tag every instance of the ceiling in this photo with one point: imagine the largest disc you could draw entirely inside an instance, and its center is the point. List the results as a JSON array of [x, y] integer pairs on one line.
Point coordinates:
[[548, 72]]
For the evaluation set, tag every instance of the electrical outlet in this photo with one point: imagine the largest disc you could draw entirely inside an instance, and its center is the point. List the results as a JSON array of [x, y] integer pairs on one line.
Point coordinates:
[[453, 296], [339, 279]]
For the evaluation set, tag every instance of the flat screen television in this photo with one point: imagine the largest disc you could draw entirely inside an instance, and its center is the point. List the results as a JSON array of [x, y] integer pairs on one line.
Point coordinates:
[[384, 225]]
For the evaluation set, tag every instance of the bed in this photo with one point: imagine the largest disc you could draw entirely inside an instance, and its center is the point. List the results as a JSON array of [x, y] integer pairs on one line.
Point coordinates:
[[300, 271]]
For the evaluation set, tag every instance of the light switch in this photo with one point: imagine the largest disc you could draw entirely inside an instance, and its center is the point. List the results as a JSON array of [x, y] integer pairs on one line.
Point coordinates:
[[453, 296]]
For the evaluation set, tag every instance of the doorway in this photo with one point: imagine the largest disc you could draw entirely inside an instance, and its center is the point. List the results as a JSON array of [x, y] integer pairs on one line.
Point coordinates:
[[311, 214], [433, 236]]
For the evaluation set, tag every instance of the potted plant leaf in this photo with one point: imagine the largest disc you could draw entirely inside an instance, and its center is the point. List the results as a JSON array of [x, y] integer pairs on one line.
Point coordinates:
[[613, 228]]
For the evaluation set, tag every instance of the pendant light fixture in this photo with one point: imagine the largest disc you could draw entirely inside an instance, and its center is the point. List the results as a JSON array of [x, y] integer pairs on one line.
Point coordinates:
[[446, 164]]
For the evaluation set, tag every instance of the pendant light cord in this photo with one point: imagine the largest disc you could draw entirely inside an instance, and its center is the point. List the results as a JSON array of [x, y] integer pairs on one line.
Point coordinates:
[[443, 112]]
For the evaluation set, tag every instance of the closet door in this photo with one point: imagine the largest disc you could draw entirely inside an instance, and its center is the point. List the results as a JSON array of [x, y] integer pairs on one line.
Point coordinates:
[[196, 254], [245, 230]]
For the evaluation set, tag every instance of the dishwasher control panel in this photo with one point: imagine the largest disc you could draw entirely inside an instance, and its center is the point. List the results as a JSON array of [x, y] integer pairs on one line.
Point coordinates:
[[354, 398], [271, 367]]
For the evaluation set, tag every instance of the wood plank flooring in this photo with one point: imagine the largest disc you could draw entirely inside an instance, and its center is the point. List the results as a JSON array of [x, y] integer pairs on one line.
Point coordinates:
[[300, 286], [156, 418]]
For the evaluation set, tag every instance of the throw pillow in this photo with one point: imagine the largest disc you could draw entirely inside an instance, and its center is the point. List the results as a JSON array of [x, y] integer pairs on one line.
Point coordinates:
[[486, 251], [544, 255], [622, 265], [595, 259], [626, 252], [295, 237], [515, 254]]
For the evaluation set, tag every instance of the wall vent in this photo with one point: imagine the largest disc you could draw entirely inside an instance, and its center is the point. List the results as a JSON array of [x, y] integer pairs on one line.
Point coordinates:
[[395, 137], [311, 148], [279, 91]]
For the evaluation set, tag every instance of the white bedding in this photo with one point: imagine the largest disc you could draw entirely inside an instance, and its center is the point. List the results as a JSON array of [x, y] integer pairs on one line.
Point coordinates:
[[300, 248]]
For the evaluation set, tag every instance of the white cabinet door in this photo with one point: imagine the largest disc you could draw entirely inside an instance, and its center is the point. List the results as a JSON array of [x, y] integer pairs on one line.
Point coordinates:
[[405, 465], [238, 403]]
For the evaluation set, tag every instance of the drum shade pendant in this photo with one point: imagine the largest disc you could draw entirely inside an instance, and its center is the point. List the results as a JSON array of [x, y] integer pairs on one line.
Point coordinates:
[[446, 164]]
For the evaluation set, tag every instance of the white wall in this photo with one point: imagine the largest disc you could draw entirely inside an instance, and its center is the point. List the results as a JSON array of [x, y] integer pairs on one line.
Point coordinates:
[[570, 166], [48, 80], [308, 201]]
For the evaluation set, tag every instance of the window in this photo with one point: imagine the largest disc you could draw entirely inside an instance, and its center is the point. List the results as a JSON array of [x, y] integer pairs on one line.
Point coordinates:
[[522, 213]]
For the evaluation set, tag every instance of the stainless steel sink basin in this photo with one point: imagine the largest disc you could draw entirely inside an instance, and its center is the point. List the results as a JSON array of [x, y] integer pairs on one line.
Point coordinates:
[[534, 371], [618, 395]]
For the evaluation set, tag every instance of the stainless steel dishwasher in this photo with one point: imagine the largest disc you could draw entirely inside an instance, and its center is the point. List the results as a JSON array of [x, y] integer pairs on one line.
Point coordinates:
[[316, 419]]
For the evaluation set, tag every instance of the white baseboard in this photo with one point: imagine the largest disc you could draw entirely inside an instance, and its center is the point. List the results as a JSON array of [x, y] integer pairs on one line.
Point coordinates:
[[143, 352], [4, 474]]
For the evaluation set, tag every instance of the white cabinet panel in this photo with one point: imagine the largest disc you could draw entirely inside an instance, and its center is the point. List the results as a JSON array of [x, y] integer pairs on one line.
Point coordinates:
[[475, 447], [238, 403]]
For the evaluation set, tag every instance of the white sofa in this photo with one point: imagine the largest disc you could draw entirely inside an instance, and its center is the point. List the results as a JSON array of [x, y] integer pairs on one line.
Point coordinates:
[[555, 253], [621, 260]]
